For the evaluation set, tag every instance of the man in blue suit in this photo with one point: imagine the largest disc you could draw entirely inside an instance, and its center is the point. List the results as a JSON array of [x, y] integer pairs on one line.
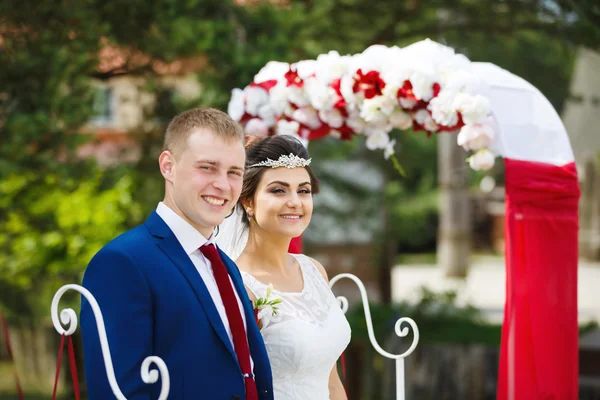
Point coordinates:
[[165, 290]]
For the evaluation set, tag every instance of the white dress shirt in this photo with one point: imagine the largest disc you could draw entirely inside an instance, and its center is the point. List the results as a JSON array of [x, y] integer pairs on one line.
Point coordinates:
[[191, 240]]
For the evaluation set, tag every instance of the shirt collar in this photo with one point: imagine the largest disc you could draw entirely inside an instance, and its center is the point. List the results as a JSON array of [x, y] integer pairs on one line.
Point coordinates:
[[188, 236]]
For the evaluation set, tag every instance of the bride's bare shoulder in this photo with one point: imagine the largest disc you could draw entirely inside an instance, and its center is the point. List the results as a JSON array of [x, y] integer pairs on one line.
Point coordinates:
[[319, 267]]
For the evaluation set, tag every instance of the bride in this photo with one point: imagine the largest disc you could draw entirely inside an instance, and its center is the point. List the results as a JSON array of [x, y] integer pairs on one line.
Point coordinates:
[[306, 332]]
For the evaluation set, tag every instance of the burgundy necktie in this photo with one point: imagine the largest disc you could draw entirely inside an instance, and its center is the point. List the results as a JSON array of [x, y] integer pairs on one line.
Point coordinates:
[[232, 309]]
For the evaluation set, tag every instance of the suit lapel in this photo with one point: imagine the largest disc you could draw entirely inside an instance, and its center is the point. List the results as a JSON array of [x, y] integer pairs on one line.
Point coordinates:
[[169, 244]]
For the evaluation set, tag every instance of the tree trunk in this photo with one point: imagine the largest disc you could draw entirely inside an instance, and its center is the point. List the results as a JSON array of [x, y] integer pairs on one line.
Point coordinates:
[[454, 231], [589, 215]]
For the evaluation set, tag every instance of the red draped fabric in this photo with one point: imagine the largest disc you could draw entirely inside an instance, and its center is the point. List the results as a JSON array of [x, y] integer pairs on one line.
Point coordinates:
[[296, 245], [539, 349]]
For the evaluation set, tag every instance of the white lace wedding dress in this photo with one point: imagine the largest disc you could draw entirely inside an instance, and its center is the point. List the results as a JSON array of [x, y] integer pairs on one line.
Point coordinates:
[[306, 337]]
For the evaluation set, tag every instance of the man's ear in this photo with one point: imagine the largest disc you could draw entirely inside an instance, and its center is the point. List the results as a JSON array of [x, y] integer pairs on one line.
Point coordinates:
[[166, 163]]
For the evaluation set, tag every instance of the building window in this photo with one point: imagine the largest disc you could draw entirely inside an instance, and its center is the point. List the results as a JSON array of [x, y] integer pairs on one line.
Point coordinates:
[[103, 106]]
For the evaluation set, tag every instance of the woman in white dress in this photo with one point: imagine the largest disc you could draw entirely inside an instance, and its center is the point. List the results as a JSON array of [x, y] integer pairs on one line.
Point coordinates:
[[309, 331]]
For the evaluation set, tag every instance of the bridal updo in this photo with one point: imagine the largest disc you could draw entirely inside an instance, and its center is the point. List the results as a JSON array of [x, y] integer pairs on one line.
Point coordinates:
[[259, 150]]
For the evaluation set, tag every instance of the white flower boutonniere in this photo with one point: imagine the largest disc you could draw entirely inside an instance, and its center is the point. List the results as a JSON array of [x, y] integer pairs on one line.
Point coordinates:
[[265, 308]]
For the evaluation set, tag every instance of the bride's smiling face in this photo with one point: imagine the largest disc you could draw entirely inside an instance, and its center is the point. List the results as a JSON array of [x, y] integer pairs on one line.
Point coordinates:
[[283, 202]]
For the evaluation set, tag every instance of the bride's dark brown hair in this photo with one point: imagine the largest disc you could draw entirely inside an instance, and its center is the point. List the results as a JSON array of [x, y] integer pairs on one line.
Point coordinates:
[[272, 147]]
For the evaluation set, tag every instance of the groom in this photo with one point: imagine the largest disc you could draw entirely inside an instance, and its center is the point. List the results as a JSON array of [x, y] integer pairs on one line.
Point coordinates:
[[164, 289]]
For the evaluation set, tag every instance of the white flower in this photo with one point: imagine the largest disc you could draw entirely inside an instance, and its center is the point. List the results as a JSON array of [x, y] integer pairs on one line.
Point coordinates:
[[332, 117], [355, 122], [235, 108], [389, 149], [272, 70], [321, 96], [266, 308], [267, 114], [377, 139], [255, 98], [278, 98], [442, 110], [377, 110], [297, 96], [287, 127], [475, 137], [307, 116], [422, 86], [423, 118], [331, 66], [407, 104], [401, 119], [482, 160], [473, 108], [346, 89], [430, 125], [256, 127]]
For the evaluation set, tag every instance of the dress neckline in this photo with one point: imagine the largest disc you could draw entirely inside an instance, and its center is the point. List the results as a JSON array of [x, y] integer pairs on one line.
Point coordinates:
[[302, 272]]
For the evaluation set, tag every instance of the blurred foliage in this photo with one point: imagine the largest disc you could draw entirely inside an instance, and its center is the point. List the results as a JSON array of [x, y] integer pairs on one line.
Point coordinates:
[[57, 209], [49, 234]]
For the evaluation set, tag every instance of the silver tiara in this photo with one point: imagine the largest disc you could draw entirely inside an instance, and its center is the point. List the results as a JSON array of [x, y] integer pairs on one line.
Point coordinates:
[[291, 161]]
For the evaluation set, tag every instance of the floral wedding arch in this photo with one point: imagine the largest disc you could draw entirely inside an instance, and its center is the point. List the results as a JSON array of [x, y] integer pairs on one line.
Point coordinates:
[[372, 93], [428, 87]]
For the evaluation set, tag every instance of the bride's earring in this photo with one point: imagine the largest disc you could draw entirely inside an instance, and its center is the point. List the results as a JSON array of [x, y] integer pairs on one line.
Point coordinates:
[[249, 213]]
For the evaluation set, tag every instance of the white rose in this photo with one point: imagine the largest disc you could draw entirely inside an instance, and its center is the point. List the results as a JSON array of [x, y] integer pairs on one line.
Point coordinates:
[[378, 139], [407, 103], [422, 86], [473, 108], [288, 127], [318, 94], [421, 116], [267, 114], [307, 116], [401, 119], [356, 123], [482, 160], [278, 98], [430, 125], [235, 108], [272, 70], [442, 110], [475, 137], [256, 127], [255, 98], [297, 96], [333, 117], [331, 66], [346, 89], [377, 110]]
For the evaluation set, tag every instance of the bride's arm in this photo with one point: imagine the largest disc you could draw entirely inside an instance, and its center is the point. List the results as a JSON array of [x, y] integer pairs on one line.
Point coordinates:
[[336, 388]]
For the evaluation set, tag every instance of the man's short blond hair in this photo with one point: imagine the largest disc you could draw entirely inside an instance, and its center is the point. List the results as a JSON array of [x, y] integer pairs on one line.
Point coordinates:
[[211, 119]]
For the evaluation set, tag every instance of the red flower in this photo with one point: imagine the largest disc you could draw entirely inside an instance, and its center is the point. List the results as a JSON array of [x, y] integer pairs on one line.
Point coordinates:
[[293, 79], [370, 83], [341, 103], [267, 85], [406, 91], [256, 315]]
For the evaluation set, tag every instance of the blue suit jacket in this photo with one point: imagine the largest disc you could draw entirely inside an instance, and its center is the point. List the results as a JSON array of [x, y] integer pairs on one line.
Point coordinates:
[[154, 302]]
